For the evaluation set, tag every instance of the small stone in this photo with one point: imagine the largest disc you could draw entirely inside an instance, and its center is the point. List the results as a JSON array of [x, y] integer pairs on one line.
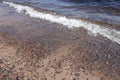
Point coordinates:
[[1, 70], [87, 79], [107, 62], [102, 78], [17, 78], [5, 77], [83, 67], [43, 78], [1, 61]]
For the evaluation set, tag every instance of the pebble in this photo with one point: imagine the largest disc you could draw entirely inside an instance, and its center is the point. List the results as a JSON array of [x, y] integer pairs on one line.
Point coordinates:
[[5, 77], [1, 70], [17, 78]]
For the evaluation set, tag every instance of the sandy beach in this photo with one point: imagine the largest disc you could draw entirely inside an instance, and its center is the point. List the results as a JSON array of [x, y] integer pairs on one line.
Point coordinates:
[[35, 49]]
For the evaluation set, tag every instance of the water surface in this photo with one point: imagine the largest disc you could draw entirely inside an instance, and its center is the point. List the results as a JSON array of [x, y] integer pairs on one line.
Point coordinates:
[[106, 11]]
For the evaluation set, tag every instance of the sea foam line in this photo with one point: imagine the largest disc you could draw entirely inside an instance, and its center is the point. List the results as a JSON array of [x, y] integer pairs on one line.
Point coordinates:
[[111, 34]]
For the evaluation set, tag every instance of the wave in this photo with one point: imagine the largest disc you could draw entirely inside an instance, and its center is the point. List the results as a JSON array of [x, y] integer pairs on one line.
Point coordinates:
[[95, 29]]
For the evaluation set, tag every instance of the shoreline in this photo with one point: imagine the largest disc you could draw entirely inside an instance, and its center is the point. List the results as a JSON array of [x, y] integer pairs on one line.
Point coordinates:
[[42, 50], [91, 28]]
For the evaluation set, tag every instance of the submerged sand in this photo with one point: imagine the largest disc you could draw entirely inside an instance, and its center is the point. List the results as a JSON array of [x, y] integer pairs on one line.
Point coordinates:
[[34, 49]]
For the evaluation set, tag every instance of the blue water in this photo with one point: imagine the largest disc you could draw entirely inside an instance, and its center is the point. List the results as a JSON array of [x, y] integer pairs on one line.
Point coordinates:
[[106, 11]]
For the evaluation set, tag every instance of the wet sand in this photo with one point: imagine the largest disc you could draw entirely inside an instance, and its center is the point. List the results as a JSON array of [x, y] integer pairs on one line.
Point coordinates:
[[34, 49]]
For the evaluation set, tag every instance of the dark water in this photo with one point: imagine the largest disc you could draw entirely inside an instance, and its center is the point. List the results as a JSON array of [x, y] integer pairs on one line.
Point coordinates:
[[107, 11], [69, 13]]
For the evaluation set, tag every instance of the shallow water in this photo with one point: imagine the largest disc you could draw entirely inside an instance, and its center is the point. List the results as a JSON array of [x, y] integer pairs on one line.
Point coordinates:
[[54, 11]]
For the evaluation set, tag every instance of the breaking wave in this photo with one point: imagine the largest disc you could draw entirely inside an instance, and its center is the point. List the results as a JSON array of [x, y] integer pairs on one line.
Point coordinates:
[[111, 34]]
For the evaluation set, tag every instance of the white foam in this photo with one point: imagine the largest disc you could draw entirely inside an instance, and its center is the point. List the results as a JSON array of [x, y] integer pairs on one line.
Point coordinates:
[[111, 34]]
